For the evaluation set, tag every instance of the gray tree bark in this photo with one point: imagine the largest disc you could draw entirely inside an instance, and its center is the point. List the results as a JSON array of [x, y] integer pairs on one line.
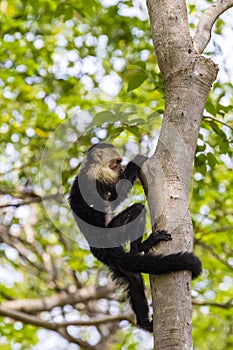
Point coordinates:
[[188, 77]]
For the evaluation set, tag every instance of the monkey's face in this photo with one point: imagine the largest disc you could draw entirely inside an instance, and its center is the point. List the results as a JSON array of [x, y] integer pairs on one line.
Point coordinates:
[[107, 165], [115, 164]]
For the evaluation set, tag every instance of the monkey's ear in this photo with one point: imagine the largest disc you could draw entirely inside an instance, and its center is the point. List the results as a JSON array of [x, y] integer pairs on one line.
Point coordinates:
[[98, 156]]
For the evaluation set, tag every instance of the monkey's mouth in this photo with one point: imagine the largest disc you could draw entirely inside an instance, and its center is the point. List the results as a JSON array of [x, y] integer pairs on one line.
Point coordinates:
[[116, 169]]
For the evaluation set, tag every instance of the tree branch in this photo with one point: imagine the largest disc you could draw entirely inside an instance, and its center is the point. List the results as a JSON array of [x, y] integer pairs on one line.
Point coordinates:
[[61, 327], [203, 32], [60, 299], [211, 250], [17, 244], [227, 305], [218, 121], [26, 318], [98, 321], [81, 343], [36, 321], [37, 199]]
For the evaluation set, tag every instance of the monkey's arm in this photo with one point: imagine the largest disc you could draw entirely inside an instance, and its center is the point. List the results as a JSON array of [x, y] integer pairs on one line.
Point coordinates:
[[133, 168], [128, 177]]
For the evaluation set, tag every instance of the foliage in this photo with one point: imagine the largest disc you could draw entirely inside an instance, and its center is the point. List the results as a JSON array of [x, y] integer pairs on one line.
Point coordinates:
[[59, 58]]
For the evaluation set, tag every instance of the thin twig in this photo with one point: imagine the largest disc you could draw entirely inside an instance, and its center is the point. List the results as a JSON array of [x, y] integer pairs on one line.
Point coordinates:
[[99, 321], [211, 250], [37, 199], [218, 121], [227, 305]]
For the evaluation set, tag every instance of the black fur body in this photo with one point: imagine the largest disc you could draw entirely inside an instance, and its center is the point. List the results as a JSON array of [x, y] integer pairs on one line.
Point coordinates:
[[93, 203]]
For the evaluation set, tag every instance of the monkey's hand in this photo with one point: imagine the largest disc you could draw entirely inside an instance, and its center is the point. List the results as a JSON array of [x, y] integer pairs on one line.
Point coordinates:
[[139, 160], [153, 240], [159, 236]]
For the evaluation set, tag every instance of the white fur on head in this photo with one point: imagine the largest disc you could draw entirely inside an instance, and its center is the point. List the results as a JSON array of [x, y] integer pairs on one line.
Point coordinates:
[[99, 168]]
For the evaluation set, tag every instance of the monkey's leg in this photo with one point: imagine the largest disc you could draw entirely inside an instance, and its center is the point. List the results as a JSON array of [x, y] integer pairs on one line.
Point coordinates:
[[134, 286], [128, 215], [132, 222]]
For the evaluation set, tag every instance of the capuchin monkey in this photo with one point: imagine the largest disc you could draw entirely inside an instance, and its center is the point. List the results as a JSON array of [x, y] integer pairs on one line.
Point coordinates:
[[96, 192]]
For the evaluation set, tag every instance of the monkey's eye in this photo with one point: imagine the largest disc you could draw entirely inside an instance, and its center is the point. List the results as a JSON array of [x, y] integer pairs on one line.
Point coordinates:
[[115, 164]]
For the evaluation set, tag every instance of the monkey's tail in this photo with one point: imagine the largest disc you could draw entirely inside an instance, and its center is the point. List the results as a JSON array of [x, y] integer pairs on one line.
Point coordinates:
[[159, 264], [117, 258], [133, 284]]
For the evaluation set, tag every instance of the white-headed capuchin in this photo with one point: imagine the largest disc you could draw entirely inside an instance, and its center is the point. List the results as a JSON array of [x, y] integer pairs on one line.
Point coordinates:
[[99, 188]]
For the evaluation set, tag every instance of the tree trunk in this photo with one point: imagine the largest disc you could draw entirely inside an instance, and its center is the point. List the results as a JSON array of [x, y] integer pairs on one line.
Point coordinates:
[[188, 77]]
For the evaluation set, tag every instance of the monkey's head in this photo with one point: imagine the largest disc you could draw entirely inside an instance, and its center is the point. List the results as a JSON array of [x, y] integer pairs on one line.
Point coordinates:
[[103, 163]]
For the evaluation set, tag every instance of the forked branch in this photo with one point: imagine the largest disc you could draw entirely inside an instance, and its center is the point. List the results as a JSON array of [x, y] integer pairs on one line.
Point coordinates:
[[203, 32]]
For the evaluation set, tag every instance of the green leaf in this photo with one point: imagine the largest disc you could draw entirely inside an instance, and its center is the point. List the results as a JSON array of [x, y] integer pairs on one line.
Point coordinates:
[[200, 163], [68, 13], [104, 117], [212, 161], [153, 115], [160, 111], [210, 108], [115, 132], [34, 4], [88, 7], [223, 146], [218, 131], [200, 136], [137, 121], [200, 160], [134, 130], [219, 25], [60, 10], [225, 109], [137, 79], [192, 9], [140, 64], [200, 148]]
